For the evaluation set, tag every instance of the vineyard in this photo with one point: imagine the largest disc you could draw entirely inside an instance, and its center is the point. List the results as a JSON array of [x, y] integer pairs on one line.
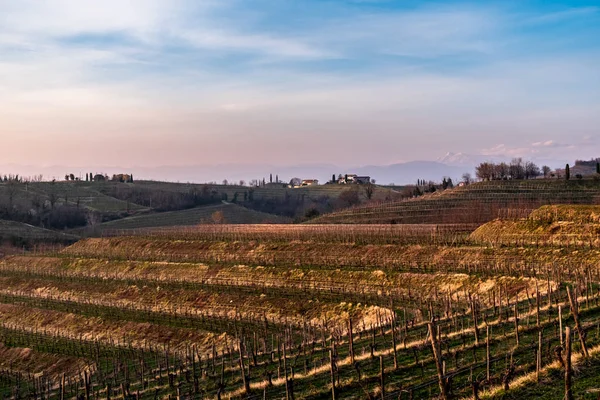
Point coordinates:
[[548, 225], [473, 204], [308, 312], [214, 214]]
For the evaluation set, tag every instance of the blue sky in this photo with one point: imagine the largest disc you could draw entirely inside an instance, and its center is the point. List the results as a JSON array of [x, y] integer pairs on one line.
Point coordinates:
[[181, 82]]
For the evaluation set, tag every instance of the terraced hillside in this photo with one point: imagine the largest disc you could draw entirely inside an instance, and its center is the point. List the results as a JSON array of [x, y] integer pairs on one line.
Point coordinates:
[[548, 225], [306, 312], [477, 203], [224, 213]]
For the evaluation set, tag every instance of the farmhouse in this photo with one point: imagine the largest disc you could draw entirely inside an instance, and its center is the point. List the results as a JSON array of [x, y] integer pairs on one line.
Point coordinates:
[[348, 178], [309, 182], [122, 178], [353, 178]]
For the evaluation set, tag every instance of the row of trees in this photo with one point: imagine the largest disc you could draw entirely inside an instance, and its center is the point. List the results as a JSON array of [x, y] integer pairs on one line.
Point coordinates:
[[516, 169], [251, 183], [21, 179], [91, 177]]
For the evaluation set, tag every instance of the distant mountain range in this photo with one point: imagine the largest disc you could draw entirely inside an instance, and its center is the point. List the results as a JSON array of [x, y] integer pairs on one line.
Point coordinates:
[[452, 165], [472, 160], [409, 172], [399, 174]]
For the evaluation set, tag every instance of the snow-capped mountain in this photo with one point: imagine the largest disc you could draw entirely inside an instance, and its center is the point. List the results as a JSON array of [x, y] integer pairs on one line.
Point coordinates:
[[468, 160]]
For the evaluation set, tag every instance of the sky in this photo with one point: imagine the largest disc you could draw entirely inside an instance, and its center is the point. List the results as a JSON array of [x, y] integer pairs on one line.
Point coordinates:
[[356, 82]]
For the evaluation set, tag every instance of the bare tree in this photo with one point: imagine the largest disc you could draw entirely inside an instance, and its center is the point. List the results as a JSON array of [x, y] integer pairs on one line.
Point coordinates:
[[517, 168], [467, 178], [369, 189], [531, 170], [546, 171], [218, 217], [484, 172]]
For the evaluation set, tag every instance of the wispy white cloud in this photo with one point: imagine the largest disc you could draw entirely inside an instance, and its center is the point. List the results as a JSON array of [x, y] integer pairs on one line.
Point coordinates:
[[556, 16], [417, 33], [552, 144]]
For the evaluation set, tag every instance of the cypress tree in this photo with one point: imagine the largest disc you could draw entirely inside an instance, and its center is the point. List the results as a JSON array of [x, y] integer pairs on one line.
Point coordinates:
[[567, 172]]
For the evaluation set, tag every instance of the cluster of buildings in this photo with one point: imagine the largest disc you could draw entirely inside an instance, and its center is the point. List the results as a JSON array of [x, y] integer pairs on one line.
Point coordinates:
[[347, 179], [352, 179]]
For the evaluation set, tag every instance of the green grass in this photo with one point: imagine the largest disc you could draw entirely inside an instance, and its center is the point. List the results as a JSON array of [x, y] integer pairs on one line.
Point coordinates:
[[23, 233], [281, 191], [551, 386], [85, 194], [231, 214]]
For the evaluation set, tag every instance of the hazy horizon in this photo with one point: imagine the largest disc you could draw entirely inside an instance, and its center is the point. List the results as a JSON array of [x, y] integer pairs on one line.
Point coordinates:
[[451, 165], [360, 82]]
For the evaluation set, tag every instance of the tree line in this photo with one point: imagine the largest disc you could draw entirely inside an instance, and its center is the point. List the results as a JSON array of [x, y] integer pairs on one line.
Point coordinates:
[[516, 169]]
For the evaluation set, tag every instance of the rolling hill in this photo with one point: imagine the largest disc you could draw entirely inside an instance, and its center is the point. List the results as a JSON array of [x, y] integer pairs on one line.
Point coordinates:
[[577, 225], [226, 213], [17, 233], [476, 203]]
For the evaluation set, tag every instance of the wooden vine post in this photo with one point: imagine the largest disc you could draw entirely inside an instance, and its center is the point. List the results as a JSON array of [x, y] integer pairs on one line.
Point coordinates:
[[350, 340], [538, 359], [568, 366], [438, 360], [516, 325], [395, 351], [487, 352], [382, 377], [285, 373], [62, 387], [560, 325], [575, 312], [331, 366], [245, 381], [537, 304], [475, 323]]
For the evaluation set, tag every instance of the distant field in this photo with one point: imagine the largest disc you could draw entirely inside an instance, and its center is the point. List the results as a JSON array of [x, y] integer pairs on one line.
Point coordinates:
[[477, 203], [109, 200], [229, 214], [75, 193], [83, 193], [22, 233], [280, 191]]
